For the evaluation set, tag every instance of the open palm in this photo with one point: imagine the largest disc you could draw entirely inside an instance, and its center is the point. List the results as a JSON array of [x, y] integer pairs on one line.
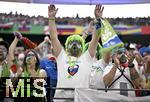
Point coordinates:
[[98, 11], [52, 11]]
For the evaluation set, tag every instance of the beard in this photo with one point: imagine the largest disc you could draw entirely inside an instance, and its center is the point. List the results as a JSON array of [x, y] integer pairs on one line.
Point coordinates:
[[75, 51], [74, 48]]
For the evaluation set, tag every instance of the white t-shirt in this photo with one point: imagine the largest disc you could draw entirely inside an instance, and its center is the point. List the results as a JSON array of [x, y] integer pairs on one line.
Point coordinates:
[[121, 80], [96, 78], [77, 76]]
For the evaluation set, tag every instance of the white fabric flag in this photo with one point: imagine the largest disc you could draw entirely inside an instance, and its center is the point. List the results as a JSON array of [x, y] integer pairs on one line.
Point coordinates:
[[92, 95]]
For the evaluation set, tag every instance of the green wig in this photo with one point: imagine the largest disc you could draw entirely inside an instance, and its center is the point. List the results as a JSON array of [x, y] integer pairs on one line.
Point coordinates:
[[98, 50], [75, 38]]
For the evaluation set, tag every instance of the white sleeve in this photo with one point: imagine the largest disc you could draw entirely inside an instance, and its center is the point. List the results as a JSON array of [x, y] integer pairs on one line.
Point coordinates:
[[61, 55], [88, 56], [107, 69]]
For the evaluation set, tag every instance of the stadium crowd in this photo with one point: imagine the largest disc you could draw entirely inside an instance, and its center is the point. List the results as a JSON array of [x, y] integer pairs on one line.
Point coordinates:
[[40, 20], [78, 65]]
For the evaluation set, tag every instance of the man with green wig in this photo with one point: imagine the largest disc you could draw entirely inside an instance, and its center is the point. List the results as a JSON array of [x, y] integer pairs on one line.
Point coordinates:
[[74, 66]]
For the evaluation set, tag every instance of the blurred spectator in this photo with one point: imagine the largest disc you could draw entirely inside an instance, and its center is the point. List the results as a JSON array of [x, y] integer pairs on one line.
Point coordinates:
[[50, 66], [4, 69], [41, 21]]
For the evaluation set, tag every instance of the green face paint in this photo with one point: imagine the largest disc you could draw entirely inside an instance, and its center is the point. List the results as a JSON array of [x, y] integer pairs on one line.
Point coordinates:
[[75, 48], [74, 45]]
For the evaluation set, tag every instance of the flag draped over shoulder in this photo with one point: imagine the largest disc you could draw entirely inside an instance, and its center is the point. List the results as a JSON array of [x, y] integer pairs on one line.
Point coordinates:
[[110, 39]]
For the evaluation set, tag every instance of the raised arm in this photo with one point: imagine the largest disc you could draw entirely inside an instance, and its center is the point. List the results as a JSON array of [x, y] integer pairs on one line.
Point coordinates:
[[88, 30], [53, 30], [12, 48], [95, 35], [38, 48], [135, 78]]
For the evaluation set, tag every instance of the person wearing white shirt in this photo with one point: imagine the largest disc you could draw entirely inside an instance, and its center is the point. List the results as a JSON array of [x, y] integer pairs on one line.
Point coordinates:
[[98, 67], [122, 74], [73, 65]]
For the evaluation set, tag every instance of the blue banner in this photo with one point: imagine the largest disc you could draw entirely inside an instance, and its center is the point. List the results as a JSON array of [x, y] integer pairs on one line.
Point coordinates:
[[90, 2]]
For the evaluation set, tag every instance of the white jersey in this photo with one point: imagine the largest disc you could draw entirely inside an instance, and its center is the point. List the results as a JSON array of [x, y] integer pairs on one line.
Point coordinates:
[[96, 79], [122, 82], [74, 72]]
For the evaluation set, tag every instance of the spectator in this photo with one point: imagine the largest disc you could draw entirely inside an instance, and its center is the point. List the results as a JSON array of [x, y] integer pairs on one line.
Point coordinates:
[[4, 69], [122, 74], [98, 69], [50, 66], [41, 21], [31, 64], [73, 59], [145, 52]]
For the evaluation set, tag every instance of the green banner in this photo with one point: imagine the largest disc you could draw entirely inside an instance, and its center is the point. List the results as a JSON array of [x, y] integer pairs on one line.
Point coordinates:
[[29, 29]]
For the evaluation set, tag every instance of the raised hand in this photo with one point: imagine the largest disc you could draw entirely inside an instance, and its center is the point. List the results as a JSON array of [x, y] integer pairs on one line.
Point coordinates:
[[116, 59], [131, 57], [90, 28], [18, 35], [98, 11], [52, 10], [46, 39]]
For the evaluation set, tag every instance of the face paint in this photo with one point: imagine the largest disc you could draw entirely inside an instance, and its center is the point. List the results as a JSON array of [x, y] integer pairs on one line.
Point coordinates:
[[75, 48], [30, 58], [78, 48]]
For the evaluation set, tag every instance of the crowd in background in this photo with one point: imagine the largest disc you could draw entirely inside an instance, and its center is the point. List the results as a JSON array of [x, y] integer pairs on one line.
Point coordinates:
[[47, 61], [81, 21], [123, 67]]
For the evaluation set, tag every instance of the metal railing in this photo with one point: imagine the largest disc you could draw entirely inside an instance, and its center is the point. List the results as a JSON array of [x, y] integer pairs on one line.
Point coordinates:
[[99, 89]]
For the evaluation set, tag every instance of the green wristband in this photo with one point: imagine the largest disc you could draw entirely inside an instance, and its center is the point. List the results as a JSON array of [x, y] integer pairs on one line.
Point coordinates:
[[51, 19]]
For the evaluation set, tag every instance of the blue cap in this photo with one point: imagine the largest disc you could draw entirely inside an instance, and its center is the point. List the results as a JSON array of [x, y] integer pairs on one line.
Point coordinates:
[[144, 50]]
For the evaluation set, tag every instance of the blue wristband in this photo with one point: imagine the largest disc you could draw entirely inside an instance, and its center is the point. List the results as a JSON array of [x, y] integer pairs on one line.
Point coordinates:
[[98, 24]]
